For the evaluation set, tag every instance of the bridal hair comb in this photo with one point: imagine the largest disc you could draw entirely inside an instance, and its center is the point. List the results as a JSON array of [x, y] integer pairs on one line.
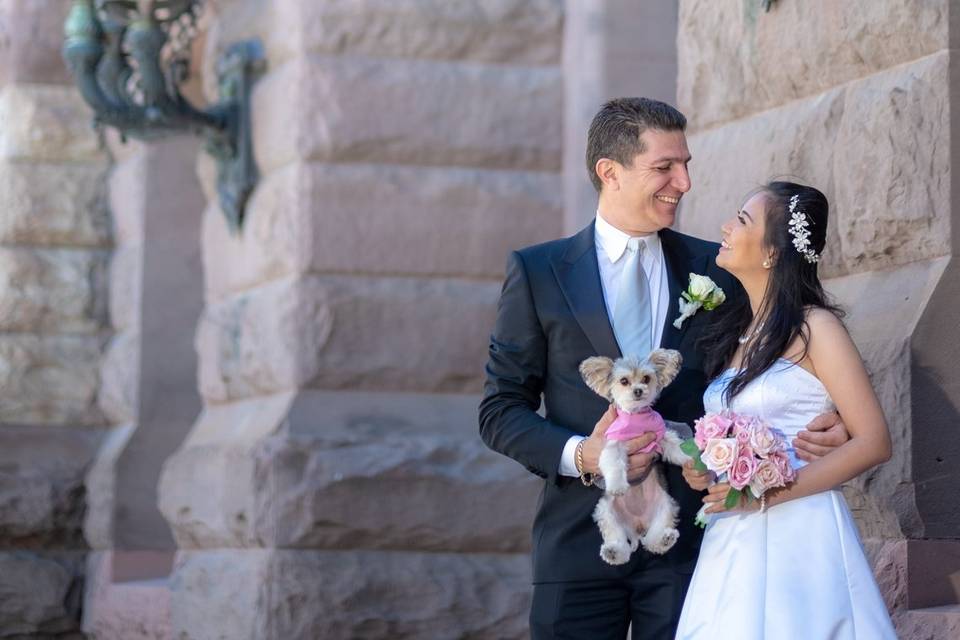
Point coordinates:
[[798, 229]]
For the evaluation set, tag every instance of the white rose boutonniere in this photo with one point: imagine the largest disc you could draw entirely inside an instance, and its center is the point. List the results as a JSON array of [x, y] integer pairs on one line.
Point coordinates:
[[702, 292]]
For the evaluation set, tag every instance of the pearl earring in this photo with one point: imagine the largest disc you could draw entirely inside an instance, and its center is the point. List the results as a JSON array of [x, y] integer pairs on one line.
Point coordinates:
[[766, 264]]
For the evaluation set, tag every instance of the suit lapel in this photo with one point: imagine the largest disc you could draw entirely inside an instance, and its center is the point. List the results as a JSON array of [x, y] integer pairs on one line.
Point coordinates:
[[679, 267], [578, 274]]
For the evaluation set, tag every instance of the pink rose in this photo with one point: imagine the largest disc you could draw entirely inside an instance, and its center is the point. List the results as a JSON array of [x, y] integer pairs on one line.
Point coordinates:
[[764, 441], [741, 423], [743, 468], [743, 436], [767, 476], [782, 460], [719, 454], [712, 425]]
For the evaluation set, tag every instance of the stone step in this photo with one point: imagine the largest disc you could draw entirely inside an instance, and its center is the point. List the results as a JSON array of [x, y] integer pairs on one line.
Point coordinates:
[[932, 623]]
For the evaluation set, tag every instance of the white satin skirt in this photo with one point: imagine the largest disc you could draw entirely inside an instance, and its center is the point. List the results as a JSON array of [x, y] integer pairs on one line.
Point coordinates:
[[795, 572]]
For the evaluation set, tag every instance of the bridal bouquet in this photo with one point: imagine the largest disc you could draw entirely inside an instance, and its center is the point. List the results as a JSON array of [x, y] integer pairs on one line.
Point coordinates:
[[743, 451]]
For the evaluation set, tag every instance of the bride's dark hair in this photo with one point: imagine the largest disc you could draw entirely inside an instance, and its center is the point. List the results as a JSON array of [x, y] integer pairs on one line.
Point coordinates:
[[793, 288]]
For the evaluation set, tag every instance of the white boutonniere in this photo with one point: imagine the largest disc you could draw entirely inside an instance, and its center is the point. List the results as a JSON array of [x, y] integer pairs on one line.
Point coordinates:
[[702, 292]]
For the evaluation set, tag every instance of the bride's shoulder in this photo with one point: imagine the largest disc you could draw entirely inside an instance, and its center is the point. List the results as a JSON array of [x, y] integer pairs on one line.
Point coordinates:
[[820, 320], [824, 331]]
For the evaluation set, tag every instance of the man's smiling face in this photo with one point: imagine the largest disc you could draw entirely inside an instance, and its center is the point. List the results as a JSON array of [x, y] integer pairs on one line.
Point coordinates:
[[649, 191]]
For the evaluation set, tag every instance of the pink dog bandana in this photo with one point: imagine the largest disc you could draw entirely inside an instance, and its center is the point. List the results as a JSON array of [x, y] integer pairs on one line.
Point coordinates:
[[631, 425]]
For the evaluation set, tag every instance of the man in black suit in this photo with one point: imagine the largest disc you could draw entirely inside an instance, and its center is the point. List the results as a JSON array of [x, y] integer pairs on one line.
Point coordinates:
[[559, 306]]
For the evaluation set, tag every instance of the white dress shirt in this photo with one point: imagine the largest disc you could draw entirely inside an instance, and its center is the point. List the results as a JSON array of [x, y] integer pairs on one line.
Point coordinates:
[[611, 246]]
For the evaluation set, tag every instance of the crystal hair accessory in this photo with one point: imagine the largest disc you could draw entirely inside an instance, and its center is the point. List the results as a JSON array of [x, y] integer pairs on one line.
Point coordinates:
[[798, 229]]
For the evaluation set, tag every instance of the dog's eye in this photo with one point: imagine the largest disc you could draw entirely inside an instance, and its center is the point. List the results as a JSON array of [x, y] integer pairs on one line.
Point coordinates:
[[624, 381], [646, 379]]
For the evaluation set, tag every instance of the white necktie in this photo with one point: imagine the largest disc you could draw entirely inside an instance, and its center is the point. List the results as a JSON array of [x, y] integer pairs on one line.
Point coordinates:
[[632, 322]]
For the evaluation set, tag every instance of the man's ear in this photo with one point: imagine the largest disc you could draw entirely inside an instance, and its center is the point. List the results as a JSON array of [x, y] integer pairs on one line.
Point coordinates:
[[667, 363], [607, 172], [596, 373]]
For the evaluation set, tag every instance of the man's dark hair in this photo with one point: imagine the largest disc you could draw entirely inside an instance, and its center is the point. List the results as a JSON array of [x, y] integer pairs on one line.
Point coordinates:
[[616, 129]]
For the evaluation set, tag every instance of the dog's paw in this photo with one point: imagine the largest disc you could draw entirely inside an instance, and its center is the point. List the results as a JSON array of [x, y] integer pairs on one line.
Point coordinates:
[[617, 486], [614, 553], [662, 542]]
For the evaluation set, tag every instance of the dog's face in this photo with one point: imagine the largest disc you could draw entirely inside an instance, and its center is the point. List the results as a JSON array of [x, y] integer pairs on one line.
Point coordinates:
[[629, 382]]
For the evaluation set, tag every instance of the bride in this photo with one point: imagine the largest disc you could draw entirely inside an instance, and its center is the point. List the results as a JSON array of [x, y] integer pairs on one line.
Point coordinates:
[[791, 566]]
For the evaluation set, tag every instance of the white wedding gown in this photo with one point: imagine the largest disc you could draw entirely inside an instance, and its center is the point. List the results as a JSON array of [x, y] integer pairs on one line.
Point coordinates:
[[797, 571]]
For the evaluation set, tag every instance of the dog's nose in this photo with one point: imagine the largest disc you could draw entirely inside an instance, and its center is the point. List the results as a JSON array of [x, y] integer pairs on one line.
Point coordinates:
[[638, 393]]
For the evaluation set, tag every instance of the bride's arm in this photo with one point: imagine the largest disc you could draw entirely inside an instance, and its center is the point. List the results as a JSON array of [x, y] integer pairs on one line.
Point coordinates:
[[838, 365]]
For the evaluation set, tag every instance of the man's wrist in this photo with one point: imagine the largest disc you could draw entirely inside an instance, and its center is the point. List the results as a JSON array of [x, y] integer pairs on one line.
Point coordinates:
[[585, 477]]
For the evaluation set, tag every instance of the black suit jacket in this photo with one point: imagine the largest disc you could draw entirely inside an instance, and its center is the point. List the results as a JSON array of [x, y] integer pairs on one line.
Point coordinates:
[[551, 317]]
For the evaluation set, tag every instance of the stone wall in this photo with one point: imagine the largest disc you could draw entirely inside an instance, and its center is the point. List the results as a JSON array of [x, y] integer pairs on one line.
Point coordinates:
[[854, 98], [55, 240], [334, 485]]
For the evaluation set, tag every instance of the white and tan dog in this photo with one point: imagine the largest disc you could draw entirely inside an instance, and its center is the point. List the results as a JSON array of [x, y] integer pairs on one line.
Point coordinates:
[[644, 513]]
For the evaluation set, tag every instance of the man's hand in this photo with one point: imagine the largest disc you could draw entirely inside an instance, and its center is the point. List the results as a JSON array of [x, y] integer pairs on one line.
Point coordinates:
[[825, 433], [594, 444], [698, 480], [638, 464]]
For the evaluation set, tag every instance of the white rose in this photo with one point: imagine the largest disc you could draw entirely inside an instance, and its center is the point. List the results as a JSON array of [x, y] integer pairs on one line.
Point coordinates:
[[763, 441], [701, 286], [767, 476], [720, 454]]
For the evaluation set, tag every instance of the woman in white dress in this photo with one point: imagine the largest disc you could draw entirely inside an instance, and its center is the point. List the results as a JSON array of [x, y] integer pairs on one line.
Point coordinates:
[[791, 567]]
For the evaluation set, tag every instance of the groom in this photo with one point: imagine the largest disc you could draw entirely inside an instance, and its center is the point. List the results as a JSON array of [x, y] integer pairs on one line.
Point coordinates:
[[569, 299]]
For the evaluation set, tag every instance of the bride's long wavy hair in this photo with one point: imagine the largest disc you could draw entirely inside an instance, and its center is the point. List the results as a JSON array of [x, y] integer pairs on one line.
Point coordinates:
[[792, 288]]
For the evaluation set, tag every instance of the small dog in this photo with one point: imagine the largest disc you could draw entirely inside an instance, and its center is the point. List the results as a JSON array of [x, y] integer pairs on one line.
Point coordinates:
[[645, 513]]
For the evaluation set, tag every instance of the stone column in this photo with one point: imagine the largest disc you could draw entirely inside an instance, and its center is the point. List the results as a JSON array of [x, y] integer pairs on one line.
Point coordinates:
[[855, 98], [334, 485], [54, 247]]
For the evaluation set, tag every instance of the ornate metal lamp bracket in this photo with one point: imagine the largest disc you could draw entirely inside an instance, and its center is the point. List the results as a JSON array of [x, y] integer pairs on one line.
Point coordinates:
[[129, 59]]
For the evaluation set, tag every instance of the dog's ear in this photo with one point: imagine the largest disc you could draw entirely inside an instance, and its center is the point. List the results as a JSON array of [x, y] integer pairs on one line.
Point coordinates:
[[667, 363], [596, 373]]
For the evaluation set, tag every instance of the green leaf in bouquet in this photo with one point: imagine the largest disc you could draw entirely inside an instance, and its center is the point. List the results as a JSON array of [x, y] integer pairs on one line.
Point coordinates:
[[689, 447], [733, 498]]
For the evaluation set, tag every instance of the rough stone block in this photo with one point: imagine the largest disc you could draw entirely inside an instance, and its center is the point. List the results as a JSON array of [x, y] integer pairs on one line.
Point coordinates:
[[100, 482], [892, 167], [889, 561], [31, 35], [53, 204], [53, 290], [388, 219], [390, 471], [218, 455], [346, 332], [453, 114], [126, 287], [735, 59], [40, 594], [128, 198], [348, 470], [124, 610], [935, 623], [50, 379], [883, 499], [877, 148], [46, 123], [272, 595], [118, 396], [526, 32], [41, 485]]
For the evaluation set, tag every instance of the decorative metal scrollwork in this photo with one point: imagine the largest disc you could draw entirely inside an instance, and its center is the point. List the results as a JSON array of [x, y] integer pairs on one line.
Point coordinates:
[[129, 59]]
